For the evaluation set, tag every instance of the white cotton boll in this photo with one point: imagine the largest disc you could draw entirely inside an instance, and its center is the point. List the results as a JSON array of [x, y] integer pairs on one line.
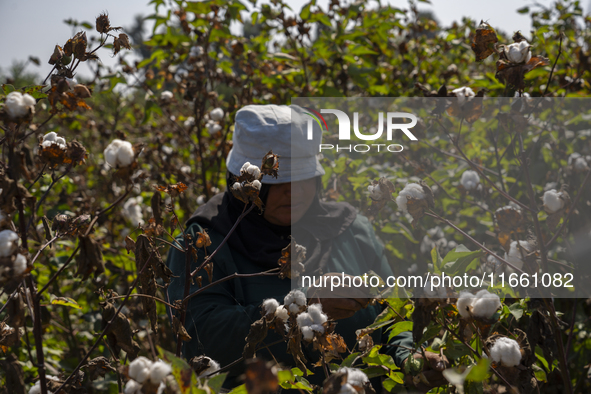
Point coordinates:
[[256, 184], [244, 168], [158, 371], [315, 312], [213, 128], [346, 389], [71, 82], [518, 52], [166, 96], [237, 186], [413, 269], [413, 190], [578, 162], [270, 305], [485, 304], [167, 150], [254, 171], [318, 328], [506, 351], [20, 265], [294, 308], [464, 93], [281, 313], [18, 105], [60, 141], [307, 333], [553, 201], [515, 252], [300, 297], [119, 153], [375, 192], [189, 122], [137, 366], [51, 136], [132, 387], [9, 242], [464, 304], [214, 366], [217, 114], [470, 180], [355, 377], [436, 292], [132, 210], [304, 320]]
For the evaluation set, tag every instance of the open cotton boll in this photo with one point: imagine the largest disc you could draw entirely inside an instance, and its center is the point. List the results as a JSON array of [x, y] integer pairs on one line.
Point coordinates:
[[515, 252], [518, 52], [281, 313], [158, 371], [132, 387], [295, 296], [214, 366], [375, 192], [9, 242], [119, 153], [506, 351], [304, 320], [213, 127], [318, 328], [52, 138], [413, 190], [18, 105], [464, 304], [166, 96], [470, 180], [315, 312], [244, 167], [553, 201], [189, 122], [485, 304], [20, 265], [216, 114], [355, 377], [578, 162], [307, 333], [435, 292], [347, 389], [270, 305], [36, 389], [139, 369], [132, 210], [464, 93], [256, 184]]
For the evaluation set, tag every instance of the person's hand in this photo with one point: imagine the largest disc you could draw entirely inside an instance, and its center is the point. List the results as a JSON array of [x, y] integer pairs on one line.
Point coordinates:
[[431, 377], [341, 301]]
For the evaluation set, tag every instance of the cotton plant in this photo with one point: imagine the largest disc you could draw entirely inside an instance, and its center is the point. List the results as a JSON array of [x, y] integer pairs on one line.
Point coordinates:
[[311, 321], [52, 139], [578, 162], [18, 105], [119, 154], [356, 382], [411, 190], [555, 201], [482, 304], [144, 372], [518, 251], [518, 52]]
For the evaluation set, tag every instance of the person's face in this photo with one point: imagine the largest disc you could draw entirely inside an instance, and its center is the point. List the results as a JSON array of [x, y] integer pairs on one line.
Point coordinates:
[[279, 209]]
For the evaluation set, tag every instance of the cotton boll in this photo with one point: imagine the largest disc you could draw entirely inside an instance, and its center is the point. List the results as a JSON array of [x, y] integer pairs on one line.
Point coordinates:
[[464, 304], [270, 305], [132, 210], [506, 351], [139, 369], [217, 114], [71, 82], [189, 122], [20, 265], [346, 389], [464, 93], [51, 136], [119, 153], [485, 304], [158, 371], [254, 171], [515, 252], [375, 192], [304, 320], [413, 190], [244, 168], [256, 184], [436, 292], [470, 180], [578, 162], [317, 328], [236, 186], [355, 377], [518, 52], [315, 312], [166, 96], [307, 333], [213, 128], [281, 313], [214, 366], [294, 308], [9, 242], [18, 105], [553, 201], [131, 387]]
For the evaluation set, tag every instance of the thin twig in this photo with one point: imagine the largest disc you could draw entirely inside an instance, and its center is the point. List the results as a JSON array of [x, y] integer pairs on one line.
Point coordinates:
[[554, 66]]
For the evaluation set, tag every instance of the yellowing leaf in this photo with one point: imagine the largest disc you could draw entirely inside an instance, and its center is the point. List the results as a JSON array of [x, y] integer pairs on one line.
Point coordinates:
[[66, 302]]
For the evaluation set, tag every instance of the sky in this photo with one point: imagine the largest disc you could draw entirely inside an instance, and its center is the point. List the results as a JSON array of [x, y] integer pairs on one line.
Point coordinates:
[[34, 27]]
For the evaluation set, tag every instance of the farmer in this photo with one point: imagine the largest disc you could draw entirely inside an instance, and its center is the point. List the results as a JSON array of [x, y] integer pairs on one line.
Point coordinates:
[[337, 240]]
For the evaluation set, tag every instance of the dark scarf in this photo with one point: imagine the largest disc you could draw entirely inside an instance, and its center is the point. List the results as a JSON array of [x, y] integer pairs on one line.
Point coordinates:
[[262, 241]]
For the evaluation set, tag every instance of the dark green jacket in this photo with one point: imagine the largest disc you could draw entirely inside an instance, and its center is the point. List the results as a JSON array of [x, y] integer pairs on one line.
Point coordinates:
[[218, 319]]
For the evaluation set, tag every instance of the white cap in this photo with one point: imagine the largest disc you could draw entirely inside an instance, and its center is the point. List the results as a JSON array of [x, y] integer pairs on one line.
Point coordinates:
[[282, 129]]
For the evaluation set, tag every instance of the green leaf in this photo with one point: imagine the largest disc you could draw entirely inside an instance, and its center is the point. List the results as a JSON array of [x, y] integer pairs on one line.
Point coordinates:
[[399, 327], [285, 376], [430, 333], [516, 310], [7, 88], [182, 372], [347, 362], [479, 372], [239, 390], [215, 382], [436, 259], [65, 301], [150, 109]]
